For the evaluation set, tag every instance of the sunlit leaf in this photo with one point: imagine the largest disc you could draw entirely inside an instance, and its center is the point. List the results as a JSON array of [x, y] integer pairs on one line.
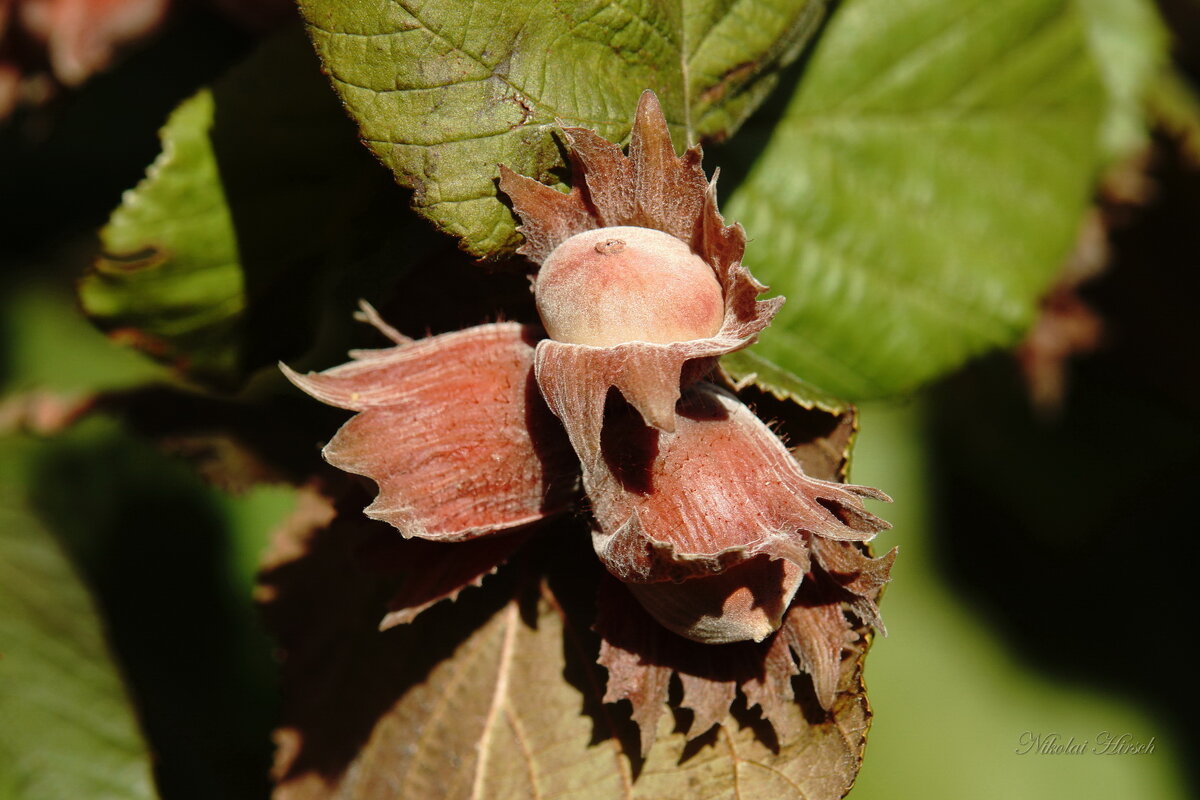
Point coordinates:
[[255, 231], [445, 92], [749, 368], [1129, 43], [921, 187], [68, 728]]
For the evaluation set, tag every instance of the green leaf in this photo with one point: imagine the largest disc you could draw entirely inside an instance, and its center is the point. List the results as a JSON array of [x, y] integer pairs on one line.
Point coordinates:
[[169, 560], [444, 92], [257, 228], [1129, 42], [68, 729], [921, 187], [172, 282], [50, 346], [1175, 108], [749, 368]]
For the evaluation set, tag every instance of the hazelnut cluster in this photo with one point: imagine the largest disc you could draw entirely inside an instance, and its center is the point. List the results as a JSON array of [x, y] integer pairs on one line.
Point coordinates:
[[696, 506]]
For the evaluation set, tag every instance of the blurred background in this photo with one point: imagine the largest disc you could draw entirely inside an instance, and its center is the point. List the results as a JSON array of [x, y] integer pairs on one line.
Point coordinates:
[[1047, 532]]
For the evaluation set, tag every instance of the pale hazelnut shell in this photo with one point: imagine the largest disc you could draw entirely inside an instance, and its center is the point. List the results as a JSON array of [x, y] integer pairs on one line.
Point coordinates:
[[627, 284]]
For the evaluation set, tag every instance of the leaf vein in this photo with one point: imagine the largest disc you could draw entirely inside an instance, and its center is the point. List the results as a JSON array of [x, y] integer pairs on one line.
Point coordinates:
[[685, 74], [883, 81], [522, 739], [499, 696]]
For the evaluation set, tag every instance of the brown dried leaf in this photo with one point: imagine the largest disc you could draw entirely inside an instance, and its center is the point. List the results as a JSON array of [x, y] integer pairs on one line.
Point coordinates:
[[469, 700], [498, 696], [815, 756]]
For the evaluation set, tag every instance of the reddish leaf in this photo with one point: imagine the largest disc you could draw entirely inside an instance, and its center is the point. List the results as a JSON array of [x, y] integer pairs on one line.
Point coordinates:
[[436, 571], [549, 216], [453, 430], [630, 653], [720, 490]]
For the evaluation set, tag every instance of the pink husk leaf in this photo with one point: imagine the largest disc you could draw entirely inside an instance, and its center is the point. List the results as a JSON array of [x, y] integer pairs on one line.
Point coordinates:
[[641, 655], [817, 631], [720, 490], [770, 688], [629, 651], [454, 432], [606, 175], [861, 576], [437, 571], [708, 698], [548, 216], [650, 188], [744, 603]]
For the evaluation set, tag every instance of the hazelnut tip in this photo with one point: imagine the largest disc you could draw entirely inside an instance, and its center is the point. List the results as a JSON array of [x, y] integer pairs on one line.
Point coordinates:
[[610, 247]]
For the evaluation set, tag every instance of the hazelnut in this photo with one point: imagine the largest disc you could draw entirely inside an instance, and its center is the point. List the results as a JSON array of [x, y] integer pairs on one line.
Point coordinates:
[[745, 603], [626, 284]]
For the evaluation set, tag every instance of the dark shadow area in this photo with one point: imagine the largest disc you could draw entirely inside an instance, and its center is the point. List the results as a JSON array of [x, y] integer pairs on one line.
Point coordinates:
[[307, 202], [701, 407], [308, 219], [573, 575], [560, 465], [1074, 535], [341, 675], [232, 444], [683, 721], [628, 445], [753, 718], [64, 166], [424, 572], [154, 547]]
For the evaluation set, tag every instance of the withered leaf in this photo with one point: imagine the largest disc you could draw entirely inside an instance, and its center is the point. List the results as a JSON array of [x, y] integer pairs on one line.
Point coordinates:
[[497, 695], [469, 700]]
